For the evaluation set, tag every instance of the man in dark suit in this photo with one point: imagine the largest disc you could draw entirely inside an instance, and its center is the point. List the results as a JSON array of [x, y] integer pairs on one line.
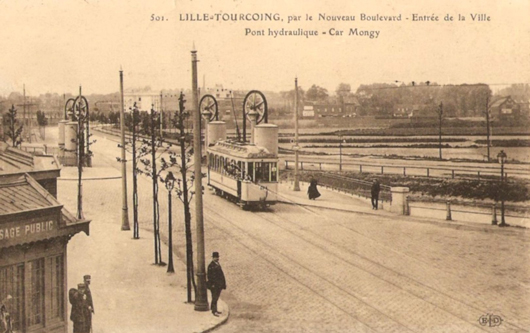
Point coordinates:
[[376, 188], [88, 293], [216, 281]]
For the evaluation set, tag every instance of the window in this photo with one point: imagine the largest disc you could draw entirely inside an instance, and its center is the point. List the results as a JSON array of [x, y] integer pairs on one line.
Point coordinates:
[[36, 308], [12, 284], [251, 171], [222, 166], [55, 266], [262, 172], [274, 172]]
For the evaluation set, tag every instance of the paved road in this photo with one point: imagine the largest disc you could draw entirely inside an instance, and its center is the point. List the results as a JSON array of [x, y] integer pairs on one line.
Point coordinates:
[[294, 269], [300, 270]]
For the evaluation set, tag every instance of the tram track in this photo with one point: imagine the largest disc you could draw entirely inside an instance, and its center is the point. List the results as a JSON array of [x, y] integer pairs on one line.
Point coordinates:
[[426, 295], [406, 280]]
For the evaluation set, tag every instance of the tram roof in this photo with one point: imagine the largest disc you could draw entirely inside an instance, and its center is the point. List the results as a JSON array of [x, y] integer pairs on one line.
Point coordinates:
[[241, 150]]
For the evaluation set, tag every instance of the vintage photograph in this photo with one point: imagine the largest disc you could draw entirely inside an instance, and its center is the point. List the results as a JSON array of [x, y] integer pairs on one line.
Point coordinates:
[[228, 166]]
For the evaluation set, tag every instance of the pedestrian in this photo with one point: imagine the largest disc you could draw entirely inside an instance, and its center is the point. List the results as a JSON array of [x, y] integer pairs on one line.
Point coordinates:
[[80, 315], [312, 190], [5, 320], [216, 282], [87, 280], [376, 188]]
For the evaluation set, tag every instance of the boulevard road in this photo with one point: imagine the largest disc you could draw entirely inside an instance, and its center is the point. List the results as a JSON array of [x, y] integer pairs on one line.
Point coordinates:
[[300, 269]]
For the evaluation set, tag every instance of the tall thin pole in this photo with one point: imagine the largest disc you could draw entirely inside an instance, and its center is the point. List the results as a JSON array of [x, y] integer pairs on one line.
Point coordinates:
[[503, 221], [440, 114], [161, 117], [170, 267], [488, 125], [340, 153], [201, 297], [24, 101], [296, 186], [80, 151], [125, 210]]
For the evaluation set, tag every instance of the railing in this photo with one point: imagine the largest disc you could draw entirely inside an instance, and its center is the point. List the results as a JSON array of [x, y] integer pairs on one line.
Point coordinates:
[[345, 184], [442, 172], [488, 211]]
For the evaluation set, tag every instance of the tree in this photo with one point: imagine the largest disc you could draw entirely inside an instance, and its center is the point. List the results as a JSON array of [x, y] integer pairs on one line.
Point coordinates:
[[14, 131], [42, 121], [153, 146], [317, 94], [138, 152], [184, 185], [343, 90]]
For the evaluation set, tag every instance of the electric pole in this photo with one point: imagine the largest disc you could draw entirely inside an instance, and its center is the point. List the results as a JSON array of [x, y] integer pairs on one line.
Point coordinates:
[[296, 186], [201, 296], [125, 210]]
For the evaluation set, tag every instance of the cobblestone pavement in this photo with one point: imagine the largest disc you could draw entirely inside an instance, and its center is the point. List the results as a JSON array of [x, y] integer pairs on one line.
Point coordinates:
[[311, 270], [295, 269]]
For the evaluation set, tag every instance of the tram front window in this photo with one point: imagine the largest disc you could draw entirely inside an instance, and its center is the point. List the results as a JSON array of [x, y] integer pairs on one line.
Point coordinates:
[[263, 172]]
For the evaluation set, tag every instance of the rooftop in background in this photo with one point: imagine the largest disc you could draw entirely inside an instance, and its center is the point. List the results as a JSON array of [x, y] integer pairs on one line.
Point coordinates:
[[13, 160]]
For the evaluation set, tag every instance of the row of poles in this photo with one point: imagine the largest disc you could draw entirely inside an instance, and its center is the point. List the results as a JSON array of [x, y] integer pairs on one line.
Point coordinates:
[[201, 297]]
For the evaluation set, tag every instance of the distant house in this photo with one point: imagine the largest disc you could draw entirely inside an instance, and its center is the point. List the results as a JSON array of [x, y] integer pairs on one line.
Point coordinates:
[[347, 107], [505, 107], [413, 111]]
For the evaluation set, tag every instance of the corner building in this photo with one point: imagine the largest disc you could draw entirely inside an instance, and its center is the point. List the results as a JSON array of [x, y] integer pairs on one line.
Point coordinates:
[[34, 232]]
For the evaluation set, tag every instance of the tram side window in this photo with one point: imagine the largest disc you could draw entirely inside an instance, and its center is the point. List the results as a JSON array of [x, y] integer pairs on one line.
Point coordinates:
[[251, 171], [222, 166], [216, 167], [274, 172]]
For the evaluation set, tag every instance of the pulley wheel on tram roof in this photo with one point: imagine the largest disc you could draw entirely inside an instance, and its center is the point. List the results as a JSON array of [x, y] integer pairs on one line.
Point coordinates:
[[255, 101], [208, 103]]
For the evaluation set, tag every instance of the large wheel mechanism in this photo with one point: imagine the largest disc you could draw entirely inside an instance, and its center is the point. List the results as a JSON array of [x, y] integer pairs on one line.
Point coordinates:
[[255, 101], [80, 108], [208, 105]]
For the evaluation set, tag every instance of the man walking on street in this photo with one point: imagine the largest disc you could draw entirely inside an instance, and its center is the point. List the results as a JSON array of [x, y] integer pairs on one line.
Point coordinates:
[[375, 193], [216, 281]]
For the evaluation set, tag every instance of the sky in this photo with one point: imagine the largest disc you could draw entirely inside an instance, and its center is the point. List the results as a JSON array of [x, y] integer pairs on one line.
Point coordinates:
[[57, 45]]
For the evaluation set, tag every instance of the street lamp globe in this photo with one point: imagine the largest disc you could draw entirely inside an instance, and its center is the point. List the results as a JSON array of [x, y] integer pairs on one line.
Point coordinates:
[[502, 157]]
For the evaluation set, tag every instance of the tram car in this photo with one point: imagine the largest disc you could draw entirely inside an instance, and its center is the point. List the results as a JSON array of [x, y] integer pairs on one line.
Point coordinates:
[[245, 173]]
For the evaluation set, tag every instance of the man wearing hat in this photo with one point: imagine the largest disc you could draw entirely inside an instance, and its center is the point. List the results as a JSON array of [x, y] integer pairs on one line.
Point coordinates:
[[216, 281], [86, 278], [80, 313]]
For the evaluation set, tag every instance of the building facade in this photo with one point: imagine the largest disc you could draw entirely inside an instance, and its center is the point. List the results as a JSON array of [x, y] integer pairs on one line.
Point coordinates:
[[34, 232]]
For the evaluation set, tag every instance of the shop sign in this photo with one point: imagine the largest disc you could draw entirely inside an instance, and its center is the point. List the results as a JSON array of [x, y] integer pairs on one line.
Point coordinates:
[[26, 230]]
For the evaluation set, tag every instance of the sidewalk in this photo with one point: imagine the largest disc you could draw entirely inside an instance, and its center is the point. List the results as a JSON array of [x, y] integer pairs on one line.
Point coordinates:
[[332, 199], [124, 280]]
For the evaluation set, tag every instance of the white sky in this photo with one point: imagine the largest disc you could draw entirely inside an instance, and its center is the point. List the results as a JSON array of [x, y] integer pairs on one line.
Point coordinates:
[[56, 45]]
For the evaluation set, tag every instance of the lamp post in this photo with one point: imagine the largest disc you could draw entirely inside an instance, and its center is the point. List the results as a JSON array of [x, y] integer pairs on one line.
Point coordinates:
[[502, 159], [169, 181]]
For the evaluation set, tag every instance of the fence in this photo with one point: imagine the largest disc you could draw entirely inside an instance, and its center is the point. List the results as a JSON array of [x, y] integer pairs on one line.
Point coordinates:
[[466, 210], [345, 184], [436, 172]]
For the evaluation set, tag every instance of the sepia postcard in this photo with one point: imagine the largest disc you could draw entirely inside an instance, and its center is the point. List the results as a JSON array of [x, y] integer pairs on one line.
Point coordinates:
[[264, 166]]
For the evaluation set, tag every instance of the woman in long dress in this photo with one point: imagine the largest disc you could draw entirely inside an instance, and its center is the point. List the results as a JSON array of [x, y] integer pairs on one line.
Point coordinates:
[[312, 191]]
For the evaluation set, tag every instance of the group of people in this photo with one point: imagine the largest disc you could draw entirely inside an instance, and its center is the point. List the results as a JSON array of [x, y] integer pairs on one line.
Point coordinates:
[[82, 306], [312, 192]]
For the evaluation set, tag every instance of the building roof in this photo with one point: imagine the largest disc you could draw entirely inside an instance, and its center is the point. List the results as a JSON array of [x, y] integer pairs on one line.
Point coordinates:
[[20, 192], [14, 160], [498, 102]]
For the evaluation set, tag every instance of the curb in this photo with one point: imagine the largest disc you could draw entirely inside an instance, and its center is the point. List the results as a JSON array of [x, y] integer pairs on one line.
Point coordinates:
[[222, 322], [444, 223], [92, 178]]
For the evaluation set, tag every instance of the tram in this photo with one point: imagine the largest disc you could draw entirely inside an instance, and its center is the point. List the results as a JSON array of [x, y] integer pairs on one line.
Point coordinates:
[[244, 172]]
